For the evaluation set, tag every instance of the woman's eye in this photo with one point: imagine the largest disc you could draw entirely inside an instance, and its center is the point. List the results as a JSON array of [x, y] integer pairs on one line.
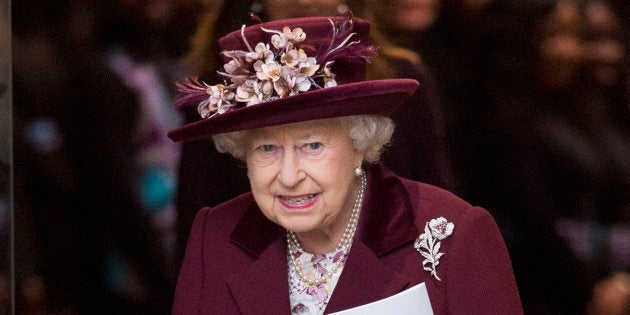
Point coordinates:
[[311, 148], [267, 147], [314, 145]]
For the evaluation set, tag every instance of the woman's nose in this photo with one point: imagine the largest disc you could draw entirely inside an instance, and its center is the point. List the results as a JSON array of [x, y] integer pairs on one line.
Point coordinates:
[[290, 173]]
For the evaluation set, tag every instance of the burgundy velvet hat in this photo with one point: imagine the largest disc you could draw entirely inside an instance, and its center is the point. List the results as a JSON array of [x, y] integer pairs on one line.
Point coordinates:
[[295, 70]]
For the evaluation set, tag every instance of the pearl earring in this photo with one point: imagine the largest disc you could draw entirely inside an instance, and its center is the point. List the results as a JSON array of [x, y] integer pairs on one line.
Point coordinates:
[[358, 171]]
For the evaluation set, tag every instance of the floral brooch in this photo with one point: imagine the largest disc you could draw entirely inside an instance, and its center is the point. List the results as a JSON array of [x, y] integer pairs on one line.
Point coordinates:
[[274, 70], [428, 243]]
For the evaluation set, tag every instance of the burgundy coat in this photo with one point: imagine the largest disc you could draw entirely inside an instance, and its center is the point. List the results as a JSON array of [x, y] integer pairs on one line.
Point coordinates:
[[236, 259]]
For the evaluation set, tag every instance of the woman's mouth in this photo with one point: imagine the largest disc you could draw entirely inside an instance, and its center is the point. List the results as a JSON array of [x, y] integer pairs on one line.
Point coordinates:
[[302, 201]]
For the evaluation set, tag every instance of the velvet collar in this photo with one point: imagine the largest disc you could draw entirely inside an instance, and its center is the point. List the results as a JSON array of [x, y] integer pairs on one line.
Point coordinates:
[[386, 222]]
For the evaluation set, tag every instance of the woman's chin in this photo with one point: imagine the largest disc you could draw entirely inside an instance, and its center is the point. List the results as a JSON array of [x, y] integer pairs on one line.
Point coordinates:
[[298, 225]]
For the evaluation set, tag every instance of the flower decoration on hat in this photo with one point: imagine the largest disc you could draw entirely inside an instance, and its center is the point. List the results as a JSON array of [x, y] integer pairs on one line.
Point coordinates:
[[286, 65], [428, 243]]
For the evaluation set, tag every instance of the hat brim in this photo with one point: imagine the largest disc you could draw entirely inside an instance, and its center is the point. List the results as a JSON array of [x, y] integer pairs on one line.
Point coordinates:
[[375, 97]]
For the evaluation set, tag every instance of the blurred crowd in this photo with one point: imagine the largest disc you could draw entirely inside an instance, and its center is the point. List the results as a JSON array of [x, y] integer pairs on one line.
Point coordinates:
[[524, 109]]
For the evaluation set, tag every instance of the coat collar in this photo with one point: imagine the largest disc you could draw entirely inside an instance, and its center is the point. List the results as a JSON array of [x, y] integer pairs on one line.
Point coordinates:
[[263, 287], [365, 278], [386, 223], [387, 219]]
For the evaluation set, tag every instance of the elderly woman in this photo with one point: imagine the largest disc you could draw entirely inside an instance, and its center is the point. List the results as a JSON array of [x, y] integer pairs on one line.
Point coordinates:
[[325, 227]]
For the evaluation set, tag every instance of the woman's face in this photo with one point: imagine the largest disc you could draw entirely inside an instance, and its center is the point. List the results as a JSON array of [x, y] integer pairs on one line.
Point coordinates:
[[604, 49], [284, 9], [411, 15], [581, 39], [302, 175], [561, 48]]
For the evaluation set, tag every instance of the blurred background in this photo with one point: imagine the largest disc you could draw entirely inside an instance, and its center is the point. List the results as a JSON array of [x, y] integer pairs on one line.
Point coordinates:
[[524, 109]]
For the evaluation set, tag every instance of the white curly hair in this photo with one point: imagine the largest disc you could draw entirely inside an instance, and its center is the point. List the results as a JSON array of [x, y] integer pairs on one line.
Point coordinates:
[[369, 133]]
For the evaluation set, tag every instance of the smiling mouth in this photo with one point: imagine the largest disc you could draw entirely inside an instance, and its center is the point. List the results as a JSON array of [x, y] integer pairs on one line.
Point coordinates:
[[297, 200]]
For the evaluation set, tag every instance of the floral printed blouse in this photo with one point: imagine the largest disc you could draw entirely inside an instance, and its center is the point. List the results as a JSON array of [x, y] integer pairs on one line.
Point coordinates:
[[312, 299]]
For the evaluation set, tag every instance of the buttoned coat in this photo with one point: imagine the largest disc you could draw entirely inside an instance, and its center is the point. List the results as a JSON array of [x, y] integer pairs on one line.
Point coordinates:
[[236, 259]]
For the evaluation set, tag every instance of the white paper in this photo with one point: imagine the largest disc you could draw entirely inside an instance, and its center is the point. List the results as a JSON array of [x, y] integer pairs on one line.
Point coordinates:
[[413, 301]]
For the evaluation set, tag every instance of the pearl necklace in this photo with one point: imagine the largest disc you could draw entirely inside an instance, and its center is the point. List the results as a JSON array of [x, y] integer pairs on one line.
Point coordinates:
[[344, 244]]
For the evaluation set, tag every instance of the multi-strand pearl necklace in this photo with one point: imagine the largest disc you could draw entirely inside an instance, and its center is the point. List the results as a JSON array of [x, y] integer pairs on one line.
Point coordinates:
[[344, 244]]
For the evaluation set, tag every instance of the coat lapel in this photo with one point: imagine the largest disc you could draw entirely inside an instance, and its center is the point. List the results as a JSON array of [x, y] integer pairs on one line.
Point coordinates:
[[263, 287], [386, 223], [365, 278], [387, 218]]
